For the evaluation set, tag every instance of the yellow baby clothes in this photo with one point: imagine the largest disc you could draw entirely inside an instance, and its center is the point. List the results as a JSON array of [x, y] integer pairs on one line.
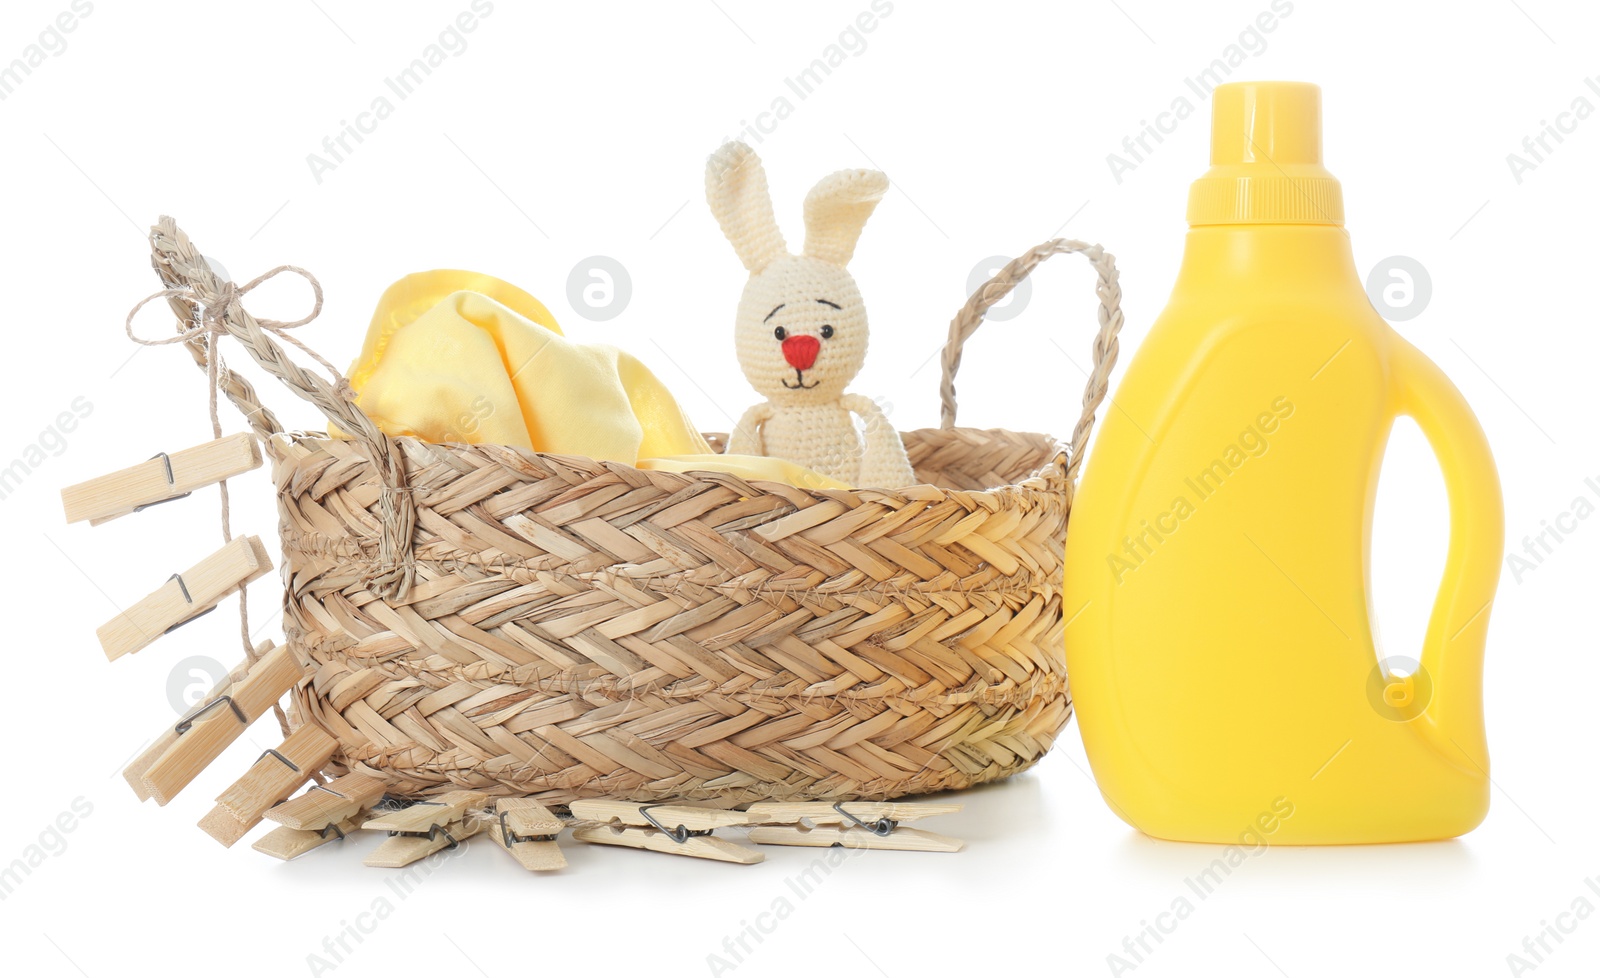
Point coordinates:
[[455, 356]]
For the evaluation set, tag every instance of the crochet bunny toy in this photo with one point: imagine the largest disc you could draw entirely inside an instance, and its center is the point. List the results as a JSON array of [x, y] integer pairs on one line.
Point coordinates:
[[801, 328]]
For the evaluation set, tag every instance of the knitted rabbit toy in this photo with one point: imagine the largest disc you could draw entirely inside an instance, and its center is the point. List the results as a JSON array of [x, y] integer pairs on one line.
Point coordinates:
[[801, 328]]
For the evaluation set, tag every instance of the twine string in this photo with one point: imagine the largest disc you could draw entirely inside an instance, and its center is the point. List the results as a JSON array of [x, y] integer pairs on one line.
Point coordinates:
[[207, 325], [209, 321], [181, 266]]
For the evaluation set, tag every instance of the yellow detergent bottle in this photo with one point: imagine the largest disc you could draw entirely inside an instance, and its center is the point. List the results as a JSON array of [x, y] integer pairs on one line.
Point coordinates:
[[1221, 650]]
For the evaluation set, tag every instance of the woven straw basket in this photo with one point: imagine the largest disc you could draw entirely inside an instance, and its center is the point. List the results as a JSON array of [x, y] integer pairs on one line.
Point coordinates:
[[478, 616]]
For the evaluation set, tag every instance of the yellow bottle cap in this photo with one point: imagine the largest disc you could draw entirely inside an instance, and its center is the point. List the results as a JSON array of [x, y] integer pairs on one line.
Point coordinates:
[[1266, 159]]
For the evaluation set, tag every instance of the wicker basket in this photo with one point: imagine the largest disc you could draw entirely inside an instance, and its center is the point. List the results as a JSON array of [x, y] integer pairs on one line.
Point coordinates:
[[484, 617]]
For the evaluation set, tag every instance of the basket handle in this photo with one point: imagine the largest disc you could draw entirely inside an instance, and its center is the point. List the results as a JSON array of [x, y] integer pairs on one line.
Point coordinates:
[[966, 323], [193, 286]]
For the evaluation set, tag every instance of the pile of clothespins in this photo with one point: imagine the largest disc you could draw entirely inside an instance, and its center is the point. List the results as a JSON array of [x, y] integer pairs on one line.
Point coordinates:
[[529, 830]]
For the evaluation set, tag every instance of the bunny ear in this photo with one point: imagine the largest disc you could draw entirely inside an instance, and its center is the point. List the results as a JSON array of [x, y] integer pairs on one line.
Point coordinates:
[[736, 189], [837, 209]]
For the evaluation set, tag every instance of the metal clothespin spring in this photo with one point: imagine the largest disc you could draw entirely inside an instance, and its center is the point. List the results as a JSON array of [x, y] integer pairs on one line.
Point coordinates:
[[167, 461], [274, 752], [879, 827], [188, 598], [680, 835], [184, 725]]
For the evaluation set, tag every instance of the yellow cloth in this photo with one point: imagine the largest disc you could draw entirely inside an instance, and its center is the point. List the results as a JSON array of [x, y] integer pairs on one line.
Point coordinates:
[[455, 356]]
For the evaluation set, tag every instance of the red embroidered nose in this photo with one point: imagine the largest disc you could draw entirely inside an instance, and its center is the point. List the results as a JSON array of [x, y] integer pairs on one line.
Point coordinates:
[[801, 351]]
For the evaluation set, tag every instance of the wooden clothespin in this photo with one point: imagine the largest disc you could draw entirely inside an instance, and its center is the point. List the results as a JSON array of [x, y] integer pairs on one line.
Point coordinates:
[[135, 771], [270, 780], [327, 804], [852, 824], [162, 479], [324, 814], [180, 754], [185, 596], [680, 830], [287, 843], [528, 831], [426, 827], [423, 815]]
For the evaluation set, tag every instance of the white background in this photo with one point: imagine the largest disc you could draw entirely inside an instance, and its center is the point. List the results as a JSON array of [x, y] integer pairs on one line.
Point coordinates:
[[565, 131]]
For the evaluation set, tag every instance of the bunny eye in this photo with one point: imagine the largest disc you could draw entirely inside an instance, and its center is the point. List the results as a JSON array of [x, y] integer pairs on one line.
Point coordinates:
[[780, 332], [827, 332]]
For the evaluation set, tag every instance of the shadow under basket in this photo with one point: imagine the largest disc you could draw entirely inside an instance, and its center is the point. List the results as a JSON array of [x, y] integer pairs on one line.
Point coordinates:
[[478, 616]]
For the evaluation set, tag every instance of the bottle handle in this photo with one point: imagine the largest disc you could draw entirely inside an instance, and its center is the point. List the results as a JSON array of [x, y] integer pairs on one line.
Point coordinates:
[[1452, 649]]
